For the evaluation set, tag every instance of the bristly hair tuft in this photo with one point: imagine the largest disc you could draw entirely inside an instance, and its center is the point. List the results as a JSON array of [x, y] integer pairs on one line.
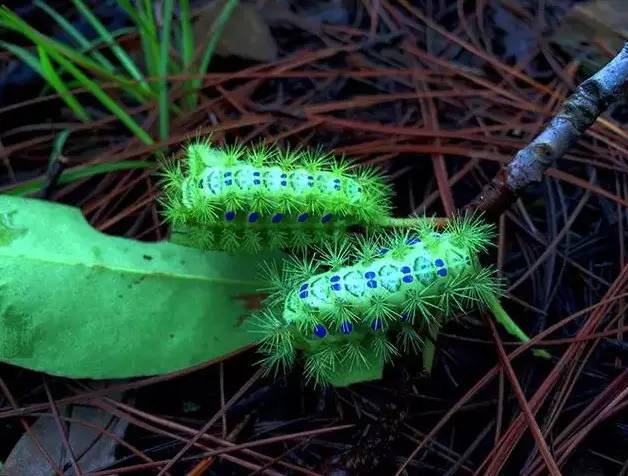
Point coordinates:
[[366, 248], [340, 166], [409, 340], [354, 356], [320, 365], [233, 153], [343, 311], [470, 231], [314, 160], [335, 252], [380, 308], [276, 341], [261, 154], [383, 348], [424, 303], [300, 269]]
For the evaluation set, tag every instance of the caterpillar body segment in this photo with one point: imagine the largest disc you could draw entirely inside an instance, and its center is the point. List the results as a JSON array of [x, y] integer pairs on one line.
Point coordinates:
[[263, 197], [379, 299]]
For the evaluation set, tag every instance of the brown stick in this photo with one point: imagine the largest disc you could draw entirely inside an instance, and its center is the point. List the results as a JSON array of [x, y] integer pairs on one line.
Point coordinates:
[[577, 114]]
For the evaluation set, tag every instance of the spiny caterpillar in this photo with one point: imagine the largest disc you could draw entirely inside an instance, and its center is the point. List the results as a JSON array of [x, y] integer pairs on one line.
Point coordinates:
[[376, 297], [263, 197]]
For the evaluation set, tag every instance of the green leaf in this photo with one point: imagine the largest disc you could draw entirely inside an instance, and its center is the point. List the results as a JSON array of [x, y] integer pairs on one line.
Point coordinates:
[[77, 303], [350, 375]]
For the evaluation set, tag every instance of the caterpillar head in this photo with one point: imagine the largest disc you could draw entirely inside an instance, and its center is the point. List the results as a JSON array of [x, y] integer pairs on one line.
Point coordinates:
[[353, 308], [262, 197], [201, 154]]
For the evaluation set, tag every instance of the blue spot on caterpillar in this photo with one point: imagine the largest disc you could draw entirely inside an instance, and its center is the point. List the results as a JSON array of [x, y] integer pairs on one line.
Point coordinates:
[[320, 331]]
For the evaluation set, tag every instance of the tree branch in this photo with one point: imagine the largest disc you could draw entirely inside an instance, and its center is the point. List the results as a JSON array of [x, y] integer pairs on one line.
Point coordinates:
[[577, 114]]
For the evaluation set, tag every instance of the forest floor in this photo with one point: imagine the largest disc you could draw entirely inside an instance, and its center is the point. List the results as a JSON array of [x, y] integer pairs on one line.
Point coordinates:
[[438, 95]]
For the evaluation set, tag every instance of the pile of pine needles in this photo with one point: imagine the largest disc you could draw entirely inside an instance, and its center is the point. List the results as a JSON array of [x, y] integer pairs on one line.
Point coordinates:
[[426, 91]]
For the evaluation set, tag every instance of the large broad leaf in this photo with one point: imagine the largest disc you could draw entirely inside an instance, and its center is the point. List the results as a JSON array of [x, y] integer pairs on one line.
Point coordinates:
[[78, 303]]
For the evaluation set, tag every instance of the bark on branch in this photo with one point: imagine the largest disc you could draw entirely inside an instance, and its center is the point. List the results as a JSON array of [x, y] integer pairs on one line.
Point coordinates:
[[577, 114]]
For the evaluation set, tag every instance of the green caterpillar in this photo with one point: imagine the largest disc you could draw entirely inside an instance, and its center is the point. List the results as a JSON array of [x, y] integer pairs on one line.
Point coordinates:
[[377, 298], [262, 197]]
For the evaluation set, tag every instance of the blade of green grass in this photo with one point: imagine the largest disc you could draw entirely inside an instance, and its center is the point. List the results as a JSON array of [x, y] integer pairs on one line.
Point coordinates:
[[46, 71], [148, 35], [164, 110], [91, 86], [72, 175], [148, 8], [24, 55], [76, 35], [49, 73], [218, 27], [96, 43], [187, 41], [187, 48], [149, 17], [125, 60], [130, 10], [11, 21], [104, 99], [58, 144], [171, 64], [55, 165]]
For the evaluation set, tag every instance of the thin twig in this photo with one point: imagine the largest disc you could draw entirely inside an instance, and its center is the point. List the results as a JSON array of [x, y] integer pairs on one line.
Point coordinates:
[[549, 460], [63, 431], [577, 114], [206, 463], [29, 431], [212, 420]]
